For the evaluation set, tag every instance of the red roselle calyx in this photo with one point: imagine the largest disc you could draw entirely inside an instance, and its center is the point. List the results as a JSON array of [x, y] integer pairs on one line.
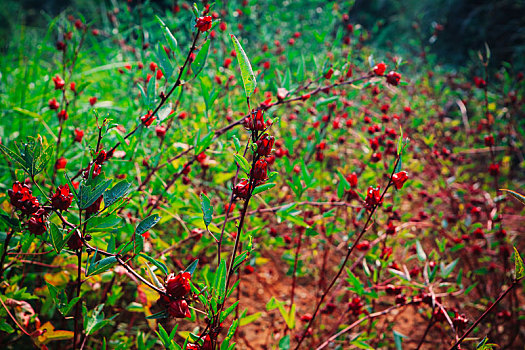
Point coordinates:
[[203, 23], [79, 134], [256, 121], [373, 197], [399, 179], [37, 225], [178, 285], [241, 189], [179, 309], [147, 119], [259, 171], [59, 82], [62, 198], [379, 69], [265, 144], [22, 199], [393, 78]]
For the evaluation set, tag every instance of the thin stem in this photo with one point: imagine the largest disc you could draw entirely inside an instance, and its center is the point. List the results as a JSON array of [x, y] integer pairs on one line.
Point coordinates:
[[487, 311], [77, 306], [349, 252]]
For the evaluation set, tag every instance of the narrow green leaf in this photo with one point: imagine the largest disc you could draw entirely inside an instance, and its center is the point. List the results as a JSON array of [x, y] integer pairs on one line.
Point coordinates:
[[248, 77], [228, 311], [263, 188], [200, 59], [398, 340], [191, 268], [519, 269], [147, 223], [207, 209], [160, 314], [420, 252], [172, 42], [155, 262], [243, 163]]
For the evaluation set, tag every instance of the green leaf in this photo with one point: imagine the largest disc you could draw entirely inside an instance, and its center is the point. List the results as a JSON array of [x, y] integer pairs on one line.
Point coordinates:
[[519, 269], [398, 340], [96, 321], [207, 209], [101, 266], [219, 282], [400, 141], [60, 298], [155, 262], [33, 158], [228, 311], [514, 194], [165, 63], [200, 59], [72, 189], [160, 314], [420, 252], [243, 163], [56, 237], [236, 143], [116, 192], [102, 224], [172, 42], [249, 319], [284, 342], [88, 194], [147, 223], [248, 77], [263, 188], [204, 143], [191, 268], [447, 270]]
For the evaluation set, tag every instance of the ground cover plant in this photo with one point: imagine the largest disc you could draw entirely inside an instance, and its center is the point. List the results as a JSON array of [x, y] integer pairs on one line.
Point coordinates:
[[256, 175]]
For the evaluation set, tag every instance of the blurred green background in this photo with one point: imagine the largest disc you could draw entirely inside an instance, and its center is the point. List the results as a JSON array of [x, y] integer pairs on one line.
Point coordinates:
[[466, 24]]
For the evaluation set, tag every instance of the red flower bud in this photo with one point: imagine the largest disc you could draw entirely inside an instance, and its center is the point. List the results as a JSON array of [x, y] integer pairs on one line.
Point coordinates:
[[241, 189], [160, 130], [62, 115], [352, 179], [489, 140], [373, 197]]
